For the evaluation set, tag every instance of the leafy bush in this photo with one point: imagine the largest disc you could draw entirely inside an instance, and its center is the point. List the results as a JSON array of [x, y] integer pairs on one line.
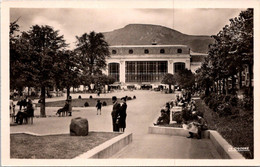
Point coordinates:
[[237, 126], [202, 96], [207, 99], [129, 98], [215, 106], [248, 103], [227, 98], [235, 111], [211, 103], [233, 100], [186, 114], [86, 104], [104, 103], [220, 97], [224, 110], [134, 97]]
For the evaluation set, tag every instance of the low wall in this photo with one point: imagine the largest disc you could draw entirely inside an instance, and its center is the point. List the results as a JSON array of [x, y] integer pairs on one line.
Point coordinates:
[[225, 150], [108, 148], [167, 131]]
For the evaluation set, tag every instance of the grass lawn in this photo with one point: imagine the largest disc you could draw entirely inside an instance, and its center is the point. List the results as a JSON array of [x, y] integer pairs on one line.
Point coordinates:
[[79, 102], [237, 129], [175, 125], [24, 146]]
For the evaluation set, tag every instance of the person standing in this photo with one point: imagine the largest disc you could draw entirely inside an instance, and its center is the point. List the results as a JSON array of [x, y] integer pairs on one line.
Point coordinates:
[[115, 113], [70, 106], [122, 115], [12, 105], [99, 106]]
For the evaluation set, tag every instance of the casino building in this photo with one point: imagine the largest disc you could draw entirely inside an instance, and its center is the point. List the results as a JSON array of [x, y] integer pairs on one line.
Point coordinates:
[[147, 64]]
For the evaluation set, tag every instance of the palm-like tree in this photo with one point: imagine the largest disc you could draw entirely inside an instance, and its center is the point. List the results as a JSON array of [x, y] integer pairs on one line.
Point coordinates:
[[92, 50]]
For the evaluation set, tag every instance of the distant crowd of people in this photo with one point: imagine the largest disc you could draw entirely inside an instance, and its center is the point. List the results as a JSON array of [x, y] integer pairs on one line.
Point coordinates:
[[191, 119]]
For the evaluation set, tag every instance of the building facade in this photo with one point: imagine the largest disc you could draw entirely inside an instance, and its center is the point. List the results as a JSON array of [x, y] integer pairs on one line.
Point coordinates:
[[147, 64]]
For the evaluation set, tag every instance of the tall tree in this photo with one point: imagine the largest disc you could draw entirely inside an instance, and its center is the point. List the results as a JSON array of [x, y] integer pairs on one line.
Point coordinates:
[[66, 71], [233, 48], [43, 45], [185, 79], [169, 80], [15, 65], [93, 51]]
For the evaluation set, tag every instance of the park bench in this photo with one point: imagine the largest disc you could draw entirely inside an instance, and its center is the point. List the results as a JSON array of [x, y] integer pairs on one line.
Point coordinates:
[[26, 120], [174, 110]]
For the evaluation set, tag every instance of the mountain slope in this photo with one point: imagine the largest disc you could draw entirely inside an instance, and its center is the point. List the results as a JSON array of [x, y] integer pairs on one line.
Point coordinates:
[[145, 34]]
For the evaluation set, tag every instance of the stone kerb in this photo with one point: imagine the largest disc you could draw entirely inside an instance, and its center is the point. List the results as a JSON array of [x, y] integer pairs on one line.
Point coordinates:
[[108, 148], [167, 131]]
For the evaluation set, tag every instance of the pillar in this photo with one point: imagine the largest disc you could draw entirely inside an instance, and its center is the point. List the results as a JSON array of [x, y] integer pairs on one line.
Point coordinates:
[[170, 66], [122, 72], [187, 64]]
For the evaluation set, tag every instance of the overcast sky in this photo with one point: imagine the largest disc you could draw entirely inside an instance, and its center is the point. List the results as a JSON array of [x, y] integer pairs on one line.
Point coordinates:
[[74, 22]]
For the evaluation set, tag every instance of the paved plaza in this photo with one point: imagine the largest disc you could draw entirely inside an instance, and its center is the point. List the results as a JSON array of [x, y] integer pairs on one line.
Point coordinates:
[[141, 113]]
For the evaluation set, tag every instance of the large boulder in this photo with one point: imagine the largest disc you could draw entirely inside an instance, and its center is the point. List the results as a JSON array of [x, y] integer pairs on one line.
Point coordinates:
[[79, 127]]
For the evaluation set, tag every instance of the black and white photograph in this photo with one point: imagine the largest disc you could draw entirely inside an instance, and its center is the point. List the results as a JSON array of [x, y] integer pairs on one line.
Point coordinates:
[[129, 83]]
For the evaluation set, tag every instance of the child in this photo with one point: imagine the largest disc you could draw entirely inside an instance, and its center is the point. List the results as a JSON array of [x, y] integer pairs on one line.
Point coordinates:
[[99, 106]]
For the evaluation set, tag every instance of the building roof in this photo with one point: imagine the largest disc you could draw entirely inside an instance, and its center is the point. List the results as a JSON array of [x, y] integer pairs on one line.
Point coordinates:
[[154, 46], [197, 58]]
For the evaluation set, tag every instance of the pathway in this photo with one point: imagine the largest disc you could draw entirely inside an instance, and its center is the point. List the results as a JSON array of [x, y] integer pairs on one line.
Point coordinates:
[[140, 114], [145, 145]]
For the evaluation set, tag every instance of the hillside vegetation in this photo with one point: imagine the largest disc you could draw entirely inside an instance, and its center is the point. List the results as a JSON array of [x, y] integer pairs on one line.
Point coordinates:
[[145, 34]]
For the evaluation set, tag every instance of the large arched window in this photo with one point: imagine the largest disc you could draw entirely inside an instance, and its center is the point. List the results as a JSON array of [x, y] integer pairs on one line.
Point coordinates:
[[146, 51], [179, 50], [179, 66], [113, 70]]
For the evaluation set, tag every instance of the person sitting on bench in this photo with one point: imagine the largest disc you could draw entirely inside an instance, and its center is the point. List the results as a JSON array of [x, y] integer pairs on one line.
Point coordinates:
[[28, 112], [64, 110], [163, 119], [201, 124]]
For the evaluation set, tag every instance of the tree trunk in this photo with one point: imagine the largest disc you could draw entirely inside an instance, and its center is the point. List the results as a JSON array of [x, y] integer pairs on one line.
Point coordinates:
[[223, 86], [43, 114], [217, 87], [233, 84], [226, 85], [207, 90], [170, 88], [68, 92], [240, 79], [28, 91]]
